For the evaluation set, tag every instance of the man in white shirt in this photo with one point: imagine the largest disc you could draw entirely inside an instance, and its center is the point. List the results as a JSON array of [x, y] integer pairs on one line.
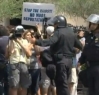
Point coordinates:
[[73, 82]]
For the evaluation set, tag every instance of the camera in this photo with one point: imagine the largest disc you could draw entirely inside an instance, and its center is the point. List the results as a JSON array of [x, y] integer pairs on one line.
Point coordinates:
[[16, 34]]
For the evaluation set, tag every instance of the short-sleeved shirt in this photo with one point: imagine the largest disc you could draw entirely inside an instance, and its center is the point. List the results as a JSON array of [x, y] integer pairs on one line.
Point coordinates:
[[79, 54], [19, 54], [34, 63]]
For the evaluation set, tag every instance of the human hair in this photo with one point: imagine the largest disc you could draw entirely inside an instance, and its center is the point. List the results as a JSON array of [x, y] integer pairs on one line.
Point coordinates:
[[3, 31], [25, 33], [50, 30]]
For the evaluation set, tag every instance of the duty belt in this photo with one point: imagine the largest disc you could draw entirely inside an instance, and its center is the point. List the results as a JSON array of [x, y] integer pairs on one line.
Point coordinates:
[[61, 55], [92, 63]]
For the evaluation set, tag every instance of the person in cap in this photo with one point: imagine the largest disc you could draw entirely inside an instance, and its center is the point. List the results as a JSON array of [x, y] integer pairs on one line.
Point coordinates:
[[17, 52], [50, 68], [62, 45], [46, 84], [50, 31], [90, 56]]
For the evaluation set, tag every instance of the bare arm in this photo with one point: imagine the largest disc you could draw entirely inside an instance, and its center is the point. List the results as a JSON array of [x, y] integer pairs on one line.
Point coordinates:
[[37, 49], [27, 48], [9, 49], [7, 53], [83, 44]]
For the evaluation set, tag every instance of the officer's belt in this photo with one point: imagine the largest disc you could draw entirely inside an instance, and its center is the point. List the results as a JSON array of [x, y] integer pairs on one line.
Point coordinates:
[[61, 55], [91, 63]]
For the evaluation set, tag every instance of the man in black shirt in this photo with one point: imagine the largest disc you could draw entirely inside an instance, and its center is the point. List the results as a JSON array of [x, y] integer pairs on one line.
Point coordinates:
[[62, 45], [4, 38]]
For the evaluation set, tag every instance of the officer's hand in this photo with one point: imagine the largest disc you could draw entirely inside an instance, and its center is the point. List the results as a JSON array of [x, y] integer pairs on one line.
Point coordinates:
[[77, 50]]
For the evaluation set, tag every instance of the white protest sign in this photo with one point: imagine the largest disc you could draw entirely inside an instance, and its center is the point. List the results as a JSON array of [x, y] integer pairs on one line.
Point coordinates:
[[34, 13]]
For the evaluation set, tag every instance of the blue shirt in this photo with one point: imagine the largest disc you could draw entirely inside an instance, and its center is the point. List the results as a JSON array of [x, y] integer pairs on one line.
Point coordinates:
[[74, 61]]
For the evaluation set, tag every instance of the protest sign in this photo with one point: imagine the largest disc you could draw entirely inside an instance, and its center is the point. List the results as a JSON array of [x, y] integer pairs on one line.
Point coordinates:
[[34, 13]]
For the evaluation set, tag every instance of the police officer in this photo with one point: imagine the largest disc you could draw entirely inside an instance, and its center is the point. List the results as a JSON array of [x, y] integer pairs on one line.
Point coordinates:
[[90, 55], [62, 43]]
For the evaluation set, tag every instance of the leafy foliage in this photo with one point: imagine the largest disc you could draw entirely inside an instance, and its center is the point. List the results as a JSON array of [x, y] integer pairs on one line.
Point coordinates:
[[83, 67], [10, 8], [81, 8]]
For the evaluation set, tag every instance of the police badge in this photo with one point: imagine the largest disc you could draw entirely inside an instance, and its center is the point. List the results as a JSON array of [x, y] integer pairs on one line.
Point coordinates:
[[96, 40]]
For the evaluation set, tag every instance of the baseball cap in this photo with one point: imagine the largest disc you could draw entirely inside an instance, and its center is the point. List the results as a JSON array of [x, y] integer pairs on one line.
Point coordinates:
[[19, 27]]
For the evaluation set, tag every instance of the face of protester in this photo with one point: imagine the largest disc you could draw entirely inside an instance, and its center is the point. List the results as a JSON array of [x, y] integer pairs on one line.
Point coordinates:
[[28, 36], [81, 33]]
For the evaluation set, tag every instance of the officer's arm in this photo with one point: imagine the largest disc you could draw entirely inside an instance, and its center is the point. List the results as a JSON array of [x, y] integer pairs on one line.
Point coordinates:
[[48, 42], [78, 44], [76, 50]]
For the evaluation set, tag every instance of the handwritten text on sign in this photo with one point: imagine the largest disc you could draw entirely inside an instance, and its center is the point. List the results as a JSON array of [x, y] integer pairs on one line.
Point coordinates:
[[35, 14]]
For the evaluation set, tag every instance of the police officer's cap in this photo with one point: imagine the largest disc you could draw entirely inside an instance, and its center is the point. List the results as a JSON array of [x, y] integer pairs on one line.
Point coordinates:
[[60, 21], [93, 18]]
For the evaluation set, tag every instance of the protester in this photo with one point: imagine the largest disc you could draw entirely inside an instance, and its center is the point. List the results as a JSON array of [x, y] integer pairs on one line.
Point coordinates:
[[17, 52], [24, 68], [73, 82], [34, 67]]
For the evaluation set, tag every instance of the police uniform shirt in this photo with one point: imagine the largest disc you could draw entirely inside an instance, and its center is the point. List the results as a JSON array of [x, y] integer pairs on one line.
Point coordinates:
[[62, 42], [91, 49]]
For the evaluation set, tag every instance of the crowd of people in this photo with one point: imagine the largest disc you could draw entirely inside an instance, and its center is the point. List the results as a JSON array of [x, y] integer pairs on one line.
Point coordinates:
[[32, 65], [40, 80]]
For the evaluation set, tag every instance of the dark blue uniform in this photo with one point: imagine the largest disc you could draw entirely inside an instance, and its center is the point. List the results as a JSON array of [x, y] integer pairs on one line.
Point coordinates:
[[90, 56], [62, 43]]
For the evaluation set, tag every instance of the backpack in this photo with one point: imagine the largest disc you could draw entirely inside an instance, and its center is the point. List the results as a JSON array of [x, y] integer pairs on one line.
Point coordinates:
[[46, 58], [47, 61]]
